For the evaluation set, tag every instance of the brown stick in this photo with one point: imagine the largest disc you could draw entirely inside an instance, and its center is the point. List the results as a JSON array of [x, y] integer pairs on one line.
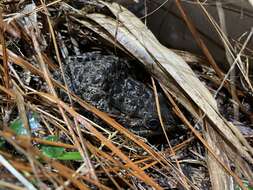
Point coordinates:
[[199, 41]]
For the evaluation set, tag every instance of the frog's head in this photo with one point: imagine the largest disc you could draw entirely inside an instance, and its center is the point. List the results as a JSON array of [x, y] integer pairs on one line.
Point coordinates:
[[151, 126], [148, 124]]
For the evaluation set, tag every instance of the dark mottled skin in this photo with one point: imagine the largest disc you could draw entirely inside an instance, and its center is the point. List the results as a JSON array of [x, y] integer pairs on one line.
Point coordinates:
[[105, 82]]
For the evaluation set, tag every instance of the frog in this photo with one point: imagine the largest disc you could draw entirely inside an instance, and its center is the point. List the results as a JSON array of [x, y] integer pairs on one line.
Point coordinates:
[[110, 83]]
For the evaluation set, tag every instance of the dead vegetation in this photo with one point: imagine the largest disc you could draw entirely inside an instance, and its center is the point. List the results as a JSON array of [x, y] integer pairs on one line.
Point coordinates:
[[35, 40]]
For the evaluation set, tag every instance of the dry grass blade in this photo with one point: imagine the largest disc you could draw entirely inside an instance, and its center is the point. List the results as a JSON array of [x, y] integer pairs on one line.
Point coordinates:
[[229, 58], [209, 147], [21, 139], [4, 184], [199, 41], [236, 59], [82, 148], [166, 136], [6, 74], [51, 87]]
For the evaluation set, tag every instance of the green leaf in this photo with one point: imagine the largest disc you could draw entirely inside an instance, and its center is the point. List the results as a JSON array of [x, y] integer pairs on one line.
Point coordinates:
[[59, 152], [70, 156], [18, 127], [52, 151]]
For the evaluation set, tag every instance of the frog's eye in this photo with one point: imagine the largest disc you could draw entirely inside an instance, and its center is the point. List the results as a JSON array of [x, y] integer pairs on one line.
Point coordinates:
[[153, 124]]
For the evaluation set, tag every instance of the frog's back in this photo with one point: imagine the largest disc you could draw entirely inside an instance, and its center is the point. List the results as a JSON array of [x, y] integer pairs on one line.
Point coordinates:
[[105, 82]]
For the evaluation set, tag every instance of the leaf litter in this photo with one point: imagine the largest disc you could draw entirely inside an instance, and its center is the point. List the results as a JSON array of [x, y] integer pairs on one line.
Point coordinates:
[[41, 134]]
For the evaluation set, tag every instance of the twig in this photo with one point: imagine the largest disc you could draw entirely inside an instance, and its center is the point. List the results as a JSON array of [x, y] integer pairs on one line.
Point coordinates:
[[198, 39], [166, 136], [10, 186], [222, 18]]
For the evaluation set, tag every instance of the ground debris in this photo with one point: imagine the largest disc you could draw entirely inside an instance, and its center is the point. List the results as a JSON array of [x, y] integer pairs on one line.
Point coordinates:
[[96, 107]]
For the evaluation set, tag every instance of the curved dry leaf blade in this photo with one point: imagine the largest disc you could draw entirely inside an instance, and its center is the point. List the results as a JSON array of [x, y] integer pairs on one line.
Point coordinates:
[[157, 57], [171, 65]]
